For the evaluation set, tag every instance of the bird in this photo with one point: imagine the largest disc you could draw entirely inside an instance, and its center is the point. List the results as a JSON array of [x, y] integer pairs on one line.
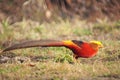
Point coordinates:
[[80, 49]]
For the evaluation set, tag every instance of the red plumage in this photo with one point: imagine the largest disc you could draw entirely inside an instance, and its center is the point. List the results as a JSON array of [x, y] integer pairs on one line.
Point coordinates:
[[79, 48]]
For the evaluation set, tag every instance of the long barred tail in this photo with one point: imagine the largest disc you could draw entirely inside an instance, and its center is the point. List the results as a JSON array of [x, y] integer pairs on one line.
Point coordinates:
[[35, 43]]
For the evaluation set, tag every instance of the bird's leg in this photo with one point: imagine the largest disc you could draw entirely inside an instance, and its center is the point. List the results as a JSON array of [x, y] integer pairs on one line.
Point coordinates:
[[75, 57], [1, 51]]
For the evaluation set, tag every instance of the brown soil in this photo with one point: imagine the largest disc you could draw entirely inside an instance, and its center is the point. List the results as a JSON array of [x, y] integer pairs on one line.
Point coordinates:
[[84, 9]]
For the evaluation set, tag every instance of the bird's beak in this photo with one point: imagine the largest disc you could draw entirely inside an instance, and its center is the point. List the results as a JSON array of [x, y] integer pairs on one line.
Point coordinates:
[[101, 46]]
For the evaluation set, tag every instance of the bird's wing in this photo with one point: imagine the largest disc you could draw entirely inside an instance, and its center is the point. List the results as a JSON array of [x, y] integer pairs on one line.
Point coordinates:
[[78, 43]]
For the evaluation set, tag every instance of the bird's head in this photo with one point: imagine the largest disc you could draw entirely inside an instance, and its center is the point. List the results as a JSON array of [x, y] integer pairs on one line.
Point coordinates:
[[96, 44]]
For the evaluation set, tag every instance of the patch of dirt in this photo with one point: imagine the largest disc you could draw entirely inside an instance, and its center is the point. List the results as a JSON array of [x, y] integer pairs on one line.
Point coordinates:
[[12, 58], [111, 77], [9, 57], [5, 58]]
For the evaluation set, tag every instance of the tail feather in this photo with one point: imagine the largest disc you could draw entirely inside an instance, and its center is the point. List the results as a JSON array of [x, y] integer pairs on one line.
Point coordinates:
[[35, 43]]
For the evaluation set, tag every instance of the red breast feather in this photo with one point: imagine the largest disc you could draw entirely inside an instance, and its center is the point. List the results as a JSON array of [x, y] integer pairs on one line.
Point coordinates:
[[86, 51]]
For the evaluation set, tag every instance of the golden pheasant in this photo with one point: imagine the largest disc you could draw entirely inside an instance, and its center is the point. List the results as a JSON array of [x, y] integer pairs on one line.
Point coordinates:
[[79, 48]]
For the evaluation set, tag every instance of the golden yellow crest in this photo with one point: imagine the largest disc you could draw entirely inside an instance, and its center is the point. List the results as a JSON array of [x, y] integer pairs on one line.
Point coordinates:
[[97, 43]]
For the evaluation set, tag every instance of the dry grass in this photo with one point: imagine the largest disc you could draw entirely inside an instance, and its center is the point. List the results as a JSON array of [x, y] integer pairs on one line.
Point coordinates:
[[57, 63]]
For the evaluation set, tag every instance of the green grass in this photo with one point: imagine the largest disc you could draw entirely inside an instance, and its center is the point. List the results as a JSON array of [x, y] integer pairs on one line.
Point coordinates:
[[58, 63]]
